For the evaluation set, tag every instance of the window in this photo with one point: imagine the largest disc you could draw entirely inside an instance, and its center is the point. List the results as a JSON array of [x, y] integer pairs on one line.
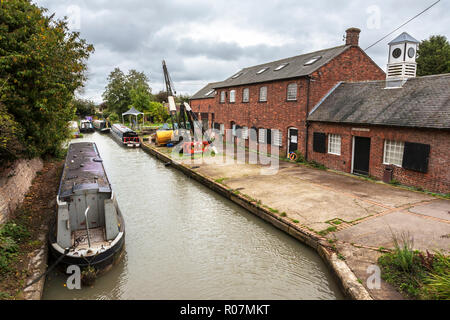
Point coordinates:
[[281, 66], [277, 138], [262, 70], [237, 75], [334, 144], [245, 133], [233, 129], [246, 95], [209, 92], [261, 135], [263, 94], [312, 60], [393, 152], [222, 96], [292, 92], [233, 96]]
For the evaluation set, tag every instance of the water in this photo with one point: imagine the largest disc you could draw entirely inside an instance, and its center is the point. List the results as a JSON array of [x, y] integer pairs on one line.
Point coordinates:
[[184, 241]]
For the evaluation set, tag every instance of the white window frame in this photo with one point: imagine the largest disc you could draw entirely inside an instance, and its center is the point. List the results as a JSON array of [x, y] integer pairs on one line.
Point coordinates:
[[334, 144], [277, 138], [222, 97], [232, 96], [233, 130], [222, 129], [244, 133], [289, 87], [246, 97], [261, 135], [261, 90], [393, 152]]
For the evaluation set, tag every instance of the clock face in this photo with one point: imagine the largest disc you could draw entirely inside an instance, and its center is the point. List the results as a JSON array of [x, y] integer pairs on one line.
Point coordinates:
[[411, 52], [397, 53]]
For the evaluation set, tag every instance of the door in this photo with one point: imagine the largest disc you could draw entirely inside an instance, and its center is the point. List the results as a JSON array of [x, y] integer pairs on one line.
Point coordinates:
[[292, 140], [361, 155]]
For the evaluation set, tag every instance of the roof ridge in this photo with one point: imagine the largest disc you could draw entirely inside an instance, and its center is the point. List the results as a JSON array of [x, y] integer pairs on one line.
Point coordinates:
[[296, 56]]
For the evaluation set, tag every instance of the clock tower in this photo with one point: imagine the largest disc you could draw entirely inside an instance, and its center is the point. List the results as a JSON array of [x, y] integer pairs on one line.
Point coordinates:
[[402, 60]]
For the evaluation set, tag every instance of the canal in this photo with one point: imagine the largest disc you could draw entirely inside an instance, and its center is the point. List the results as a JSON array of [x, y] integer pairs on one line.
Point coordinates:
[[184, 241]]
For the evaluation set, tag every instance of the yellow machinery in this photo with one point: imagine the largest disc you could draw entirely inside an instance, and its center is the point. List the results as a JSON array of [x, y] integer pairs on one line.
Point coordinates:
[[163, 137]]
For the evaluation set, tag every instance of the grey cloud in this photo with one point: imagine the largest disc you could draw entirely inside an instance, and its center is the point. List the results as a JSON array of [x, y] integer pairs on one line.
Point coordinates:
[[139, 34]]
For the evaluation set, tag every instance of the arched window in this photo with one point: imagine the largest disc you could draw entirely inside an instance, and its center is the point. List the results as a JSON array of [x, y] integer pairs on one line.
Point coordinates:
[[292, 92]]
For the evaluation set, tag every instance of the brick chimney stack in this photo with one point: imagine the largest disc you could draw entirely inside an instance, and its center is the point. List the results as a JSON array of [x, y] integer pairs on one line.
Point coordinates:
[[352, 38]]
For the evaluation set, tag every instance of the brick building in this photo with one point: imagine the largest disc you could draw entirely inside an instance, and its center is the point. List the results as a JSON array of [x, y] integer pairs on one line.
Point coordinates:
[[337, 107], [278, 95], [397, 128]]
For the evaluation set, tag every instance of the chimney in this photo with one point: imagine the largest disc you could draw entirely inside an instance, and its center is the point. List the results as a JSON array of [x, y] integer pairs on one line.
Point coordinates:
[[352, 38]]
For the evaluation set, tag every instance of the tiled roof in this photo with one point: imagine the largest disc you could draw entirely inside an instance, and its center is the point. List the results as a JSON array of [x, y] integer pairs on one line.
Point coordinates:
[[422, 102], [295, 68], [206, 92]]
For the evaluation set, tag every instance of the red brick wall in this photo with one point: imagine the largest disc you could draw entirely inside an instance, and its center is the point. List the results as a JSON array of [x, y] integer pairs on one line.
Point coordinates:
[[277, 113], [437, 179], [203, 106]]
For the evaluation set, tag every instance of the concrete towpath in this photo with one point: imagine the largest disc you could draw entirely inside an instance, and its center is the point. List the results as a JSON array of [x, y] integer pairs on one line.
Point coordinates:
[[357, 215]]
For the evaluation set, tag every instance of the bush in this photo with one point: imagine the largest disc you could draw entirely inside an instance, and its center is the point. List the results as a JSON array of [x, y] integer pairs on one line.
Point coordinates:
[[416, 274], [11, 235]]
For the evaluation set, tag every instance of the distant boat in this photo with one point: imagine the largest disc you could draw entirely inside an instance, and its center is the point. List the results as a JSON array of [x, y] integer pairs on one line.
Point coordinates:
[[73, 126], [86, 126], [125, 135], [101, 125], [88, 219]]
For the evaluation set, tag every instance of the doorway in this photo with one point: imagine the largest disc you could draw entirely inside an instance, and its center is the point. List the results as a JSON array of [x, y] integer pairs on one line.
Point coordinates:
[[361, 155], [292, 140]]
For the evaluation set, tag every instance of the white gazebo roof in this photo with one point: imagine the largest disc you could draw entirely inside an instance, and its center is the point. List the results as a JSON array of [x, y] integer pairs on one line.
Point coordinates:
[[133, 112]]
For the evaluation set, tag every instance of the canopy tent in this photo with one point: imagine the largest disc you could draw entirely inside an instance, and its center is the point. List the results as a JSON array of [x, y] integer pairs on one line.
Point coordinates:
[[133, 112]]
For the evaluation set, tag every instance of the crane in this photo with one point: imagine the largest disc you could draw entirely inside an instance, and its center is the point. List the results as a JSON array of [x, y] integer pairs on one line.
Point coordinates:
[[179, 125]]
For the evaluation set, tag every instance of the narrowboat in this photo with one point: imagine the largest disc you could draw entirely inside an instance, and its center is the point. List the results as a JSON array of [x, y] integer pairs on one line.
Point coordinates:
[[73, 127], [89, 229], [86, 126], [102, 126], [125, 135]]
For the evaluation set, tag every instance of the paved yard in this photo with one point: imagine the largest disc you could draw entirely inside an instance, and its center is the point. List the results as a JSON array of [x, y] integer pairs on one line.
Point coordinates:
[[365, 214], [368, 212]]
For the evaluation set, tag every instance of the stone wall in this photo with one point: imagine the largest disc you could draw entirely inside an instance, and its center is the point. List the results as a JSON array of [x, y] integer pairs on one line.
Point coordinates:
[[14, 184]]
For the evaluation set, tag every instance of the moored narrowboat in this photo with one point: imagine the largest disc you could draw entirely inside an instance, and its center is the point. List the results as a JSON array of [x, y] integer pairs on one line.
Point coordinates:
[[89, 229], [86, 126], [101, 125], [125, 135]]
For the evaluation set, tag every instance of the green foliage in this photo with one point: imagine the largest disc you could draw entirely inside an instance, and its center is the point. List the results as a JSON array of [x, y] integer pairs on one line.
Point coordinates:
[[123, 91], [416, 274], [11, 136], [433, 56], [42, 63], [300, 157], [83, 107], [11, 234], [113, 117]]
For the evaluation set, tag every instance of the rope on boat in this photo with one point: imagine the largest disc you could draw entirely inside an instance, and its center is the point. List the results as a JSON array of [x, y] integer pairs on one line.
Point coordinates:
[[66, 252]]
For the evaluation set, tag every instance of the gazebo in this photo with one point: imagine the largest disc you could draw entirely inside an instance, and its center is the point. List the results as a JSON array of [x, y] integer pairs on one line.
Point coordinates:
[[133, 112]]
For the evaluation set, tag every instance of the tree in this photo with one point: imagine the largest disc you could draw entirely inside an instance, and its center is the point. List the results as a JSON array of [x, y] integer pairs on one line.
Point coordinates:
[[433, 56], [159, 112], [42, 64], [84, 107], [122, 89]]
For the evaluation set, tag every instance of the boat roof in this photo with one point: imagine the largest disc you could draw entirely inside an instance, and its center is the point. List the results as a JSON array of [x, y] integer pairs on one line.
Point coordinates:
[[83, 170], [122, 128]]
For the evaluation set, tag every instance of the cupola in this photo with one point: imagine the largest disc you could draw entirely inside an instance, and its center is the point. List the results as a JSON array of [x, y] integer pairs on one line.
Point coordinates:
[[402, 60]]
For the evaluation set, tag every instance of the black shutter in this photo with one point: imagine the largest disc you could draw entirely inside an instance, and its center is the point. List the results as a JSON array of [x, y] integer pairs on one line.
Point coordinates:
[[415, 156], [269, 136], [319, 144]]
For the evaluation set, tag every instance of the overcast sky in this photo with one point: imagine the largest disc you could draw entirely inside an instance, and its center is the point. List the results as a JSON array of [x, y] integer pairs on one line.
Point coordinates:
[[205, 40]]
